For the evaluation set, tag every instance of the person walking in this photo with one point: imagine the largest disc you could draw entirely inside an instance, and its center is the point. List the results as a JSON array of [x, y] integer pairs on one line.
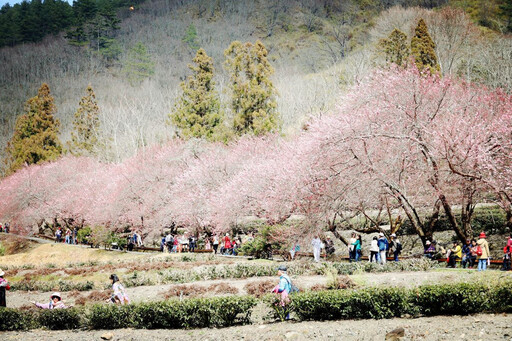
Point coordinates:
[[4, 285], [283, 289], [317, 245], [383, 244], [215, 244], [68, 236], [483, 254]]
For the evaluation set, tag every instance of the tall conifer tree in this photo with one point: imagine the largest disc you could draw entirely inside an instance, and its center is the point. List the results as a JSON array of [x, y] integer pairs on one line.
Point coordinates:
[[423, 49], [254, 96], [35, 138], [197, 112], [395, 48], [138, 65], [86, 127]]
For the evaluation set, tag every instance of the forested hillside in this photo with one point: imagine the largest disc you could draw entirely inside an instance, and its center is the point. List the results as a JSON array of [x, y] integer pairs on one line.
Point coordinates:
[[136, 60]]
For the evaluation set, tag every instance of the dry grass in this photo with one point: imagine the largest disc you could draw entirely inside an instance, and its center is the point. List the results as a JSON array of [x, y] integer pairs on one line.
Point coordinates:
[[260, 288], [14, 244], [222, 288], [318, 287], [185, 290], [62, 254]]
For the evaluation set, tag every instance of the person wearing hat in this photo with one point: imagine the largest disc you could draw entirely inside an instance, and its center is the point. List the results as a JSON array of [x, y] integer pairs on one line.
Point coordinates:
[[119, 295], [396, 246], [283, 289], [383, 248], [483, 254], [4, 285], [430, 249], [55, 302]]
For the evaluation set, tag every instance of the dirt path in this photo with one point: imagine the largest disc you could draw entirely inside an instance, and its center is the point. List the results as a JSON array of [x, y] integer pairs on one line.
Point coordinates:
[[471, 328]]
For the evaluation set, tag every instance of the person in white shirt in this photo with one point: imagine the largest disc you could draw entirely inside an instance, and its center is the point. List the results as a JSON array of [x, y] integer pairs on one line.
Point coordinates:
[[317, 245], [374, 251]]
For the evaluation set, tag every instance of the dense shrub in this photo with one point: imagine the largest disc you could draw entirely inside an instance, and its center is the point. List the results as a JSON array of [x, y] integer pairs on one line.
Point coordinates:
[[110, 316], [14, 319], [58, 319], [461, 299], [195, 313], [376, 303], [502, 298], [173, 314], [430, 300]]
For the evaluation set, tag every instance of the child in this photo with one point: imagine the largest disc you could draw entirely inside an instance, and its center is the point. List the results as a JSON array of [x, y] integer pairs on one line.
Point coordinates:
[[55, 302], [119, 295]]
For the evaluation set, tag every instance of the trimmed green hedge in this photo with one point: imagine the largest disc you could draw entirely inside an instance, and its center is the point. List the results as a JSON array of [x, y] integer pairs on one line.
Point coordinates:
[[430, 300], [14, 319], [173, 314], [376, 303]]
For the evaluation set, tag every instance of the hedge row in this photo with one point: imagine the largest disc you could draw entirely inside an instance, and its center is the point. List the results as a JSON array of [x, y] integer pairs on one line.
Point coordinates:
[[430, 300], [239, 270], [376, 303], [172, 314]]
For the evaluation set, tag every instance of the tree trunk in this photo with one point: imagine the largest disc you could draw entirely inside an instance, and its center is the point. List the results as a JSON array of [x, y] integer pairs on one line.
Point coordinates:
[[451, 218]]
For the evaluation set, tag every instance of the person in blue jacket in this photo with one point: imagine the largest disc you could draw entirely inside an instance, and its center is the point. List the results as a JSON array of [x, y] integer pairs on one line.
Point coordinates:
[[383, 244], [283, 289]]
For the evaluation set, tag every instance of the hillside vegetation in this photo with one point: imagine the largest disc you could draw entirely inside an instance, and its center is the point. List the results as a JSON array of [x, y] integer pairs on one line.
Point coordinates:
[[317, 49]]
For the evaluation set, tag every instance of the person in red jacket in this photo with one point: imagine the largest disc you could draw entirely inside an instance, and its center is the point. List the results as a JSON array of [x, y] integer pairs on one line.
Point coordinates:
[[507, 251], [4, 285], [227, 244]]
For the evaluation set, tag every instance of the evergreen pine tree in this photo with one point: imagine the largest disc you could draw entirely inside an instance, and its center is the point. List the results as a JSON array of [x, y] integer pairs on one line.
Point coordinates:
[[423, 49], [86, 127], [254, 97], [506, 12], [138, 65], [395, 48], [197, 112], [35, 138], [190, 38]]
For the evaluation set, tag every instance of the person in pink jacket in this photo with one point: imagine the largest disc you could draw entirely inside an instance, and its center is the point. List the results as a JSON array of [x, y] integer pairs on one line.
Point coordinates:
[[55, 302]]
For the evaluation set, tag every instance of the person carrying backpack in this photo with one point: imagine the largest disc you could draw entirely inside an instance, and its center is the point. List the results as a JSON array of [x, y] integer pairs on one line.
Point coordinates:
[[397, 246], [482, 252], [283, 289]]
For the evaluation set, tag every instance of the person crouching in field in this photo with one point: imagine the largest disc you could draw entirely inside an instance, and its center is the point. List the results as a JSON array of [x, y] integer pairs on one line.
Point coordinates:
[[55, 302], [4, 285], [119, 295]]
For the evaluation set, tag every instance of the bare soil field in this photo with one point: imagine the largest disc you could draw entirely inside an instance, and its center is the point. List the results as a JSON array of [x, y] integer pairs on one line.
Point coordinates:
[[470, 328]]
